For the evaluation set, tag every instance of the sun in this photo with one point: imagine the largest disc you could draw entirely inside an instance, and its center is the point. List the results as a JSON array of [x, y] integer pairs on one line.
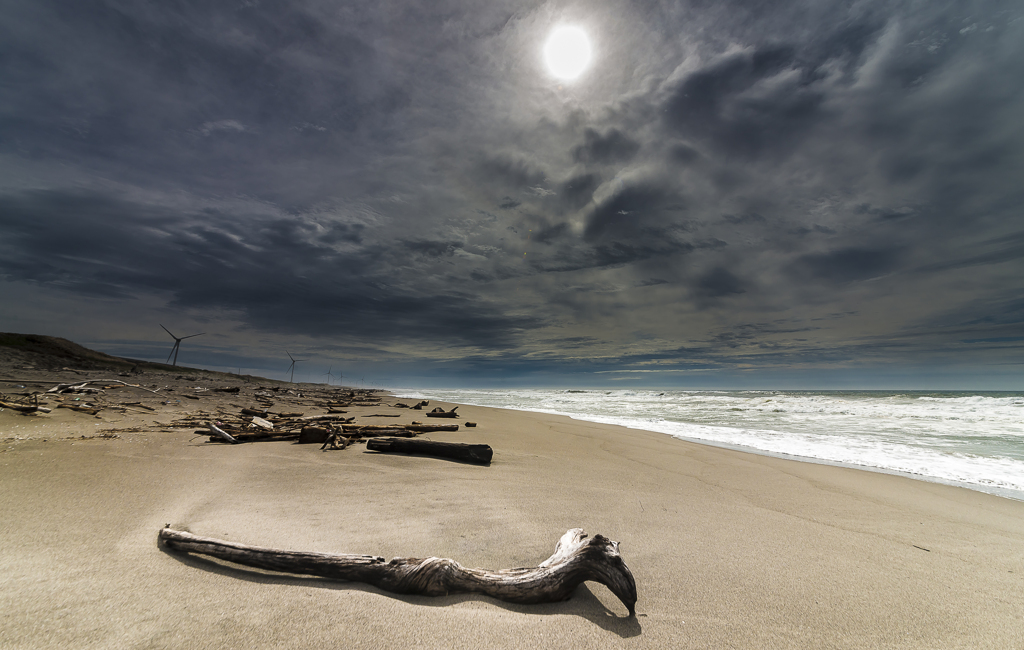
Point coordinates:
[[567, 52]]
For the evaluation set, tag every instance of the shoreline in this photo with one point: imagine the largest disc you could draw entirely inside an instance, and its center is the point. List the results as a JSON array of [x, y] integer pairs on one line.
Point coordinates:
[[1002, 492], [729, 549]]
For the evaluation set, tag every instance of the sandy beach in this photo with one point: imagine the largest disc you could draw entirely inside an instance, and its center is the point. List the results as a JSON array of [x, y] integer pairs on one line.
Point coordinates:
[[729, 550], [789, 233]]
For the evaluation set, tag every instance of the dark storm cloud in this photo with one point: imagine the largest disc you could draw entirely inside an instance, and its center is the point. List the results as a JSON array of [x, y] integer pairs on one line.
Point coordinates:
[[743, 218], [610, 147], [996, 251], [512, 172], [887, 213], [433, 248], [408, 173], [749, 103], [719, 282], [652, 282], [845, 265], [579, 190], [624, 214], [102, 246]]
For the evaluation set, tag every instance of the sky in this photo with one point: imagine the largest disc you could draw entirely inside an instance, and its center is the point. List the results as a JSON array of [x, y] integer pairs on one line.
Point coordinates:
[[733, 194]]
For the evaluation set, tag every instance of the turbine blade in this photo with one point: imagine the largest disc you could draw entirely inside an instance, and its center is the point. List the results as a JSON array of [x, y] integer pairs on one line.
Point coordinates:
[[169, 332], [191, 335]]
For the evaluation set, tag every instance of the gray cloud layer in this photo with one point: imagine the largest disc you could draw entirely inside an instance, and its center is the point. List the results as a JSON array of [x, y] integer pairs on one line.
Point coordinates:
[[731, 186]]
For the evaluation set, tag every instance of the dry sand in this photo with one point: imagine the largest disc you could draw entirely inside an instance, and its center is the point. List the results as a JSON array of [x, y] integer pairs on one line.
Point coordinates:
[[729, 550]]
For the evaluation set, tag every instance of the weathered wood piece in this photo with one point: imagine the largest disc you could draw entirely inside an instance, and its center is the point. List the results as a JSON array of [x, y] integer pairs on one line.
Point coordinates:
[[311, 435], [577, 559], [256, 436], [441, 413], [24, 408], [261, 423], [222, 433], [59, 388], [427, 428], [471, 453], [359, 432], [330, 417], [91, 410], [334, 441], [365, 428]]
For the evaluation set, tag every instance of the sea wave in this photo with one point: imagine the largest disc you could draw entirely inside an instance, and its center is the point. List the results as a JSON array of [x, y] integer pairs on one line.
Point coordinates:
[[969, 439]]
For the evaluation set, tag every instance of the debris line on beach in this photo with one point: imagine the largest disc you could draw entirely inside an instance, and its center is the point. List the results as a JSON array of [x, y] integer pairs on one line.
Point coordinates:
[[261, 425]]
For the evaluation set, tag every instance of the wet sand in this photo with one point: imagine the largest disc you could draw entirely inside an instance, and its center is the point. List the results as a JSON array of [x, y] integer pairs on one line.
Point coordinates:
[[729, 550]]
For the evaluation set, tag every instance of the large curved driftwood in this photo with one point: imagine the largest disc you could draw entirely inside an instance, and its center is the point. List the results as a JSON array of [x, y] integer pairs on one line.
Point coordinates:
[[577, 558]]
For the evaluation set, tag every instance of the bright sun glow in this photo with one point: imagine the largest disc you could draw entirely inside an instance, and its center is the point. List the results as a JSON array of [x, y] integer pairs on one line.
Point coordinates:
[[567, 52]]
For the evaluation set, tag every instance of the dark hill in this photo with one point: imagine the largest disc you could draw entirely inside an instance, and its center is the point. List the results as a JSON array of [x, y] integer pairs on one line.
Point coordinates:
[[51, 353]]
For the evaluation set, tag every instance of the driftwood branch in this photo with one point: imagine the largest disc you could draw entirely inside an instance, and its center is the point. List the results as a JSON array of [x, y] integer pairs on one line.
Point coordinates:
[[82, 408], [60, 388], [24, 408], [222, 433], [334, 441], [577, 559]]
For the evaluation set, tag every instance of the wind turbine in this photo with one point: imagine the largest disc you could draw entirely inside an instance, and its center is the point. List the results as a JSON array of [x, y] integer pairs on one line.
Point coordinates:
[[329, 375], [177, 343], [292, 367]]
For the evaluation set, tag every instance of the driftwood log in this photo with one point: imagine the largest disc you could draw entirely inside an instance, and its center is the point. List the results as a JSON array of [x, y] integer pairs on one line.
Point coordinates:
[[427, 428], [24, 408], [441, 413], [313, 435], [471, 453], [255, 436], [577, 559]]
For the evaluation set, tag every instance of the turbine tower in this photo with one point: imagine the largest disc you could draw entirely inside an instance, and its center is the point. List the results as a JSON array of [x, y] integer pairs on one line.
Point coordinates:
[[177, 344], [292, 367], [329, 375]]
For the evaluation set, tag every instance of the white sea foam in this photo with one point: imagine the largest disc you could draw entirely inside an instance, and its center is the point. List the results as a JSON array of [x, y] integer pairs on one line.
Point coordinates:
[[975, 440]]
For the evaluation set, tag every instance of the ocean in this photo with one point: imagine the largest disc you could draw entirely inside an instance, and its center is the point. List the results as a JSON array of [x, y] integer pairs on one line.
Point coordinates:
[[971, 439]]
